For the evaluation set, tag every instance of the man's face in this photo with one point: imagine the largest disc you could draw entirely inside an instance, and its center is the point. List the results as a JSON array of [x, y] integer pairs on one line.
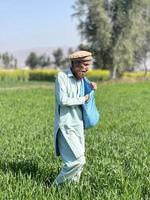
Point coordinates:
[[81, 68]]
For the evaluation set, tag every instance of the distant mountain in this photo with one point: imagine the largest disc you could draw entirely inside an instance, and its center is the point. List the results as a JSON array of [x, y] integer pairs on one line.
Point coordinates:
[[21, 55]]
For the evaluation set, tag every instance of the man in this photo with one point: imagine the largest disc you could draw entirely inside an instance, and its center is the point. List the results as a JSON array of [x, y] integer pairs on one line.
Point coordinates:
[[69, 128]]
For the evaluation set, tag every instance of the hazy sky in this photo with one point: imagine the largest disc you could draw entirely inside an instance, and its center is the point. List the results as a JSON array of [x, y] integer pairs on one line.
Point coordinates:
[[37, 23]]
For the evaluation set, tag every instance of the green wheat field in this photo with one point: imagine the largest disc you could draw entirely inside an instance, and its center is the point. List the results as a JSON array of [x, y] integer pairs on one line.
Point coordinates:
[[117, 149]]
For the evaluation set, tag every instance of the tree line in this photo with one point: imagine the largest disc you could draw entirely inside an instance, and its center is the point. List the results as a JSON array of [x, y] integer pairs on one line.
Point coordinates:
[[60, 60], [116, 31]]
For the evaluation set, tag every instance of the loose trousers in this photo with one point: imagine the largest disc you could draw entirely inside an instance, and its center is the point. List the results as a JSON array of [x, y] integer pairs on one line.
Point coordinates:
[[73, 166]]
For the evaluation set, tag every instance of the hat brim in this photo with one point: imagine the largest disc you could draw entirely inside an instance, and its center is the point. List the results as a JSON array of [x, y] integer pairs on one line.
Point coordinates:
[[86, 58]]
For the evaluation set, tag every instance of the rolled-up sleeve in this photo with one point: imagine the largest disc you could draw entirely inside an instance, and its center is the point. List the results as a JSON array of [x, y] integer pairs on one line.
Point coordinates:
[[62, 95]]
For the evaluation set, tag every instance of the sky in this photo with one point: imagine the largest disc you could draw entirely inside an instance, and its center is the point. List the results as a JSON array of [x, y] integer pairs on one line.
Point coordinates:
[[26, 24]]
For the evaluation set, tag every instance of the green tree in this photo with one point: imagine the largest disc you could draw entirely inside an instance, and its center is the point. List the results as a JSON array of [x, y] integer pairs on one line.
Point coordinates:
[[6, 59], [95, 28], [83, 47], [141, 55], [133, 34], [114, 30], [32, 60], [44, 61], [58, 57]]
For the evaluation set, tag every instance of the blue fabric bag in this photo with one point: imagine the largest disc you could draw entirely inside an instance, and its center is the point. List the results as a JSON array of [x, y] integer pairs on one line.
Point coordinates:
[[90, 113]]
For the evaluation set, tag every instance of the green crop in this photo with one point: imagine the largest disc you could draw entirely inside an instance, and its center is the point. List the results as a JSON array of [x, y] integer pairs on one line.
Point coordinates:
[[44, 75], [117, 149]]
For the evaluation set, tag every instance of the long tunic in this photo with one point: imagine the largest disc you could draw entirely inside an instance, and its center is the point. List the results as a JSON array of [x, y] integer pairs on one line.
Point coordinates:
[[68, 113]]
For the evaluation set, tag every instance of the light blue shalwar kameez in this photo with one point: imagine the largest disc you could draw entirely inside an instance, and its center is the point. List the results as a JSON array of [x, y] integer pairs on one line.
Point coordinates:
[[68, 129]]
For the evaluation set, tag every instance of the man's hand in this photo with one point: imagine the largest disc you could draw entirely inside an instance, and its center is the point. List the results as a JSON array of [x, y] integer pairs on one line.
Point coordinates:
[[94, 85], [86, 97]]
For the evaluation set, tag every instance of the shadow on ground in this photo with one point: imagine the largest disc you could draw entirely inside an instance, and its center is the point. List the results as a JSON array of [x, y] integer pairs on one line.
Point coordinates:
[[29, 169]]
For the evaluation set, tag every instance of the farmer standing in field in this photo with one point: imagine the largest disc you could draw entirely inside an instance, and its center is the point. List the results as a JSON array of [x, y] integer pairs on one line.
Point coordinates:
[[69, 127]]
